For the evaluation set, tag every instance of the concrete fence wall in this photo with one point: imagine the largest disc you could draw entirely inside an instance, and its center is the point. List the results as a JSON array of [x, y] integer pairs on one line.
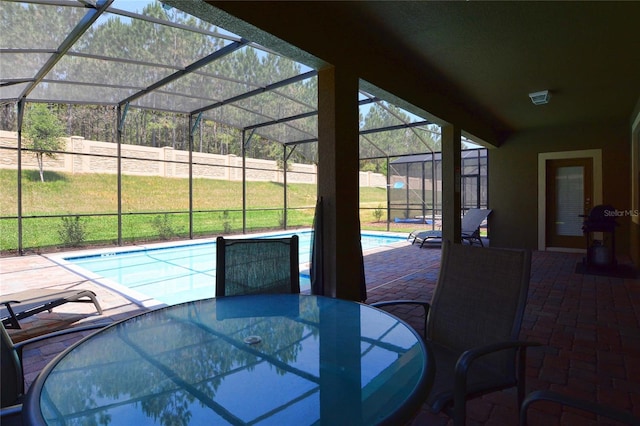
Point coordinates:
[[99, 157]]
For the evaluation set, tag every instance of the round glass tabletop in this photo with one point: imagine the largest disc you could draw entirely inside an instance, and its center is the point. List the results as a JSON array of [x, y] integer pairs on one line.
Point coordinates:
[[267, 359]]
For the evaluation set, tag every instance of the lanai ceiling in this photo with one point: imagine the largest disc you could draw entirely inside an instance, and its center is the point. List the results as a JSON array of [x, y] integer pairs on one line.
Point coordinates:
[[484, 56]]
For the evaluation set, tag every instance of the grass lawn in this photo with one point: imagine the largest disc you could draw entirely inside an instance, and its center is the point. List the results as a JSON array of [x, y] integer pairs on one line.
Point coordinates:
[[153, 208]]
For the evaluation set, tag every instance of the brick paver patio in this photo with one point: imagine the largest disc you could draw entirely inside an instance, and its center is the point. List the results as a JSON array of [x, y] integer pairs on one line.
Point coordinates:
[[589, 327]]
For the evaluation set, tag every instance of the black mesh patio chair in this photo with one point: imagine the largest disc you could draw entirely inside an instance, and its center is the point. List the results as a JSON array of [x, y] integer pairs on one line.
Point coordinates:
[[472, 324], [257, 266], [601, 410], [12, 377]]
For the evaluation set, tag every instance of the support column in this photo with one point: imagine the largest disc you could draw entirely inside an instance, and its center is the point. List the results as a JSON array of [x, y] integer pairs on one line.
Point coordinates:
[[451, 204], [21, 106], [121, 116], [338, 165]]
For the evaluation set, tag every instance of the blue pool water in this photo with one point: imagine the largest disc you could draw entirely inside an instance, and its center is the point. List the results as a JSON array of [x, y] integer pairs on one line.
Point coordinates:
[[181, 273]]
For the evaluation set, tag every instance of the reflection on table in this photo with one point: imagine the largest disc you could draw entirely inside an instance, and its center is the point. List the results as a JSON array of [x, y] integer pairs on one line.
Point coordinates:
[[276, 359]]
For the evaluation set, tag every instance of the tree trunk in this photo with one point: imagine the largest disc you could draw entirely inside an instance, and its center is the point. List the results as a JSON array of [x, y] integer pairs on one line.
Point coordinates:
[[40, 158]]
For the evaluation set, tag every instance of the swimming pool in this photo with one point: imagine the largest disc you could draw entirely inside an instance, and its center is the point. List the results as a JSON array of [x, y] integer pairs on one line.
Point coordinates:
[[181, 272]]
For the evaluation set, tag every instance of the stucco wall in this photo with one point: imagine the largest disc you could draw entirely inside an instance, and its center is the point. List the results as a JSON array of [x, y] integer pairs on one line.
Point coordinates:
[[171, 163], [513, 179]]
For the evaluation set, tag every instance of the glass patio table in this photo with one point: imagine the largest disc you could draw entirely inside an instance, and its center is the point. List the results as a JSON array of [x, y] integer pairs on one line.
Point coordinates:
[[267, 359]]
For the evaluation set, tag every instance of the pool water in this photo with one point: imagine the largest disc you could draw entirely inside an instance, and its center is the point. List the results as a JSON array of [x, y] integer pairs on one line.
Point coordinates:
[[181, 273]]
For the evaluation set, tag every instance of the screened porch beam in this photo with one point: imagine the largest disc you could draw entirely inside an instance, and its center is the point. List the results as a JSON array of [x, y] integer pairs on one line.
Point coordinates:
[[396, 127], [258, 91], [188, 69]]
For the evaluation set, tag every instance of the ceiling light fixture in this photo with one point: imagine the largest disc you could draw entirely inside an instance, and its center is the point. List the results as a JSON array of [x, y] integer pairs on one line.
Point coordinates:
[[540, 98]]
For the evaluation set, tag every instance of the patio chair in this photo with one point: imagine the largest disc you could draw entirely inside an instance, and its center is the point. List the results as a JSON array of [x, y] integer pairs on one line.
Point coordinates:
[[472, 324], [257, 265], [12, 374], [580, 404], [24, 304], [470, 229]]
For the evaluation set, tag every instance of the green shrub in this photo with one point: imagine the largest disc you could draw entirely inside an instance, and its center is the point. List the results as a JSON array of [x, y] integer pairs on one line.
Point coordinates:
[[72, 231], [377, 213], [225, 222], [163, 226]]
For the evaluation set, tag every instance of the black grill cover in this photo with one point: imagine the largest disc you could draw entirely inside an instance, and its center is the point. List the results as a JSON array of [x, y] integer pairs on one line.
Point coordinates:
[[601, 218]]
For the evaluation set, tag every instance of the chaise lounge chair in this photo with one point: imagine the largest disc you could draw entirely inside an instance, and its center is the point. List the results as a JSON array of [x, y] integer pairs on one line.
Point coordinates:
[[471, 222], [27, 303]]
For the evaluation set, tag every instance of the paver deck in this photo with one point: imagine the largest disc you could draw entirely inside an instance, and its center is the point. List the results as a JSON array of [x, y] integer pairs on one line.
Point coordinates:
[[589, 327]]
